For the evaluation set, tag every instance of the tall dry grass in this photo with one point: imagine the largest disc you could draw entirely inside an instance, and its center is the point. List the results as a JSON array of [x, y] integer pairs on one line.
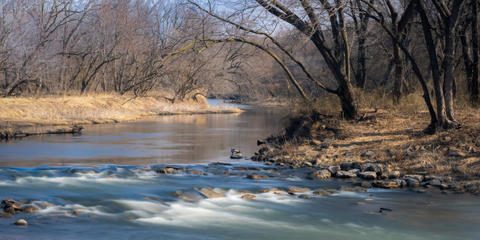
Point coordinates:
[[97, 108]]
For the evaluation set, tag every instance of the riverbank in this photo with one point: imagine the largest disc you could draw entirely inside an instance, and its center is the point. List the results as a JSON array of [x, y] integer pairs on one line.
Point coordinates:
[[22, 116], [385, 149]]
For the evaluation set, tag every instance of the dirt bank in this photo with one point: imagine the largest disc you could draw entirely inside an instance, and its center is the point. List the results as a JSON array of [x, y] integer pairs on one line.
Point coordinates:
[[390, 144]]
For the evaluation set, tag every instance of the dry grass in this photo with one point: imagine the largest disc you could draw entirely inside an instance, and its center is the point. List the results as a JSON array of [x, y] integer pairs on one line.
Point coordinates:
[[395, 136], [99, 108]]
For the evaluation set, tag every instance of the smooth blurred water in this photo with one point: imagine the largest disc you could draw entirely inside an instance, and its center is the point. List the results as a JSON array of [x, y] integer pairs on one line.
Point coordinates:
[[96, 187], [114, 202], [162, 139]]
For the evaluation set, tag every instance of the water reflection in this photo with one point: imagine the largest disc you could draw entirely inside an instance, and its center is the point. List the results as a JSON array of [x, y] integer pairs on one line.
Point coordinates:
[[161, 139]]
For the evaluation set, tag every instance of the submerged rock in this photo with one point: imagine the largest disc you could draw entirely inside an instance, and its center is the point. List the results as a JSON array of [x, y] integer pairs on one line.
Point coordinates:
[[257, 177], [196, 172], [210, 193], [294, 189], [29, 209], [191, 197], [166, 171], [305, 196], [21, 222], [352, 189], [321, 192], [249, 196], [5, 215], [320, 174]]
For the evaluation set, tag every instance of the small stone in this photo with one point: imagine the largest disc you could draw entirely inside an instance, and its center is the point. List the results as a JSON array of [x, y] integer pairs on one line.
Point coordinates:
[[21, 222], [373, 167], [257, 177], [412, 182], [196, 172], [368, 175], [419, 178], [333, 169], [210, 193], [365, 184], [307, 164], [346, 174], [395, 183], [249, 196], [321, 174], [346, 166], [357, 165], [352, 189], [435, 182], [297, 190], [166, 171], [321, 192], [305, 196]]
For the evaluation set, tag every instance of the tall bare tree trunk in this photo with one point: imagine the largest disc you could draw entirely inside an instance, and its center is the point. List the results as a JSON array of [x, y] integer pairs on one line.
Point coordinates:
[[474, 84], [398, 75]]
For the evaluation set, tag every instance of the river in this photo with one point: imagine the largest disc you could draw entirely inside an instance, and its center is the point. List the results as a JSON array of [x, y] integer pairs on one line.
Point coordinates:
[[103, 185]]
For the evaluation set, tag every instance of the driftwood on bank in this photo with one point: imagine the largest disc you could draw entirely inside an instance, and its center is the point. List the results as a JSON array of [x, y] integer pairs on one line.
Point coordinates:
[[12, 133]]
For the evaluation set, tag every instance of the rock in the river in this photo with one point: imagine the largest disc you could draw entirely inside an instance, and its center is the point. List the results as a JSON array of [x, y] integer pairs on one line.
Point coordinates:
[[29, 209], [394, 183], [305, 196], [346, 174], [419, 178], [166, 171], [412, 182], [352, 189], [187, 196], [293, 190], [368, 175], [11, 206], [196, 172], [210, 193], [249, 196], [5, 215], [320, 174], [321, 192], [333, 169], [257, 177], [236, 154], [21, 222]]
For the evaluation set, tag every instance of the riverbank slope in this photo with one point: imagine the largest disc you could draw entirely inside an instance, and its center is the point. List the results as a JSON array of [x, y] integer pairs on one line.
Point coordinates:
[[385, 148]]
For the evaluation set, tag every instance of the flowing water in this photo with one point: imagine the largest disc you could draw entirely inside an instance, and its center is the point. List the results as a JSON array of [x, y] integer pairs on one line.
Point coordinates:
[[103, 185]]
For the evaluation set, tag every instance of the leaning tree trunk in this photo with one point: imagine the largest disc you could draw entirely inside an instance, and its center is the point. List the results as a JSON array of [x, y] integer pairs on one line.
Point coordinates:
[[442, 120]]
